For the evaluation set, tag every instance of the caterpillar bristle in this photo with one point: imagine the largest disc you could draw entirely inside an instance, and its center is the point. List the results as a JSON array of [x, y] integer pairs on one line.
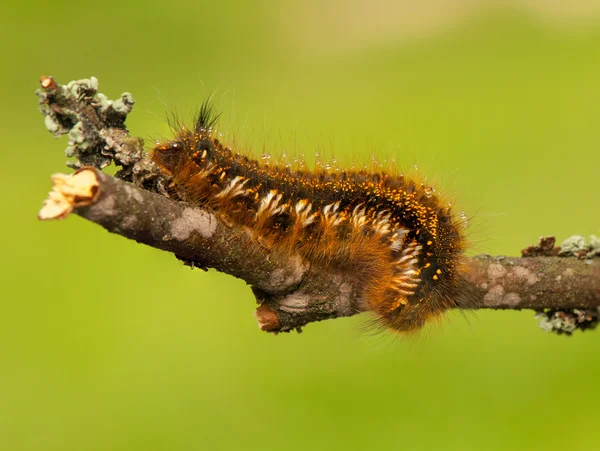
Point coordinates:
[[207, 116], [394, 234]]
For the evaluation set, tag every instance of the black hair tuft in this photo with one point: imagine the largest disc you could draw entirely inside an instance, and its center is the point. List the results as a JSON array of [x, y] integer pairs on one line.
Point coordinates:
[[207, 117]]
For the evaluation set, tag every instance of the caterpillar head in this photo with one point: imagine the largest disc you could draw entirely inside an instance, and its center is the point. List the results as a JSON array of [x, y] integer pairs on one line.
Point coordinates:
[[185, 148], [189, 145]]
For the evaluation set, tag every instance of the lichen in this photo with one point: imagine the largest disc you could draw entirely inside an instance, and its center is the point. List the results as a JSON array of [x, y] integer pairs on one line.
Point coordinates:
[[193, 220], [284, 278], [594, 246], [572, 246], [567, 321], [576, 246], [66, 111]]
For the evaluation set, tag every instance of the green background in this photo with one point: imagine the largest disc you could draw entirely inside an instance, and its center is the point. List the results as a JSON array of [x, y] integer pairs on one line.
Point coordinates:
[[109, 345]]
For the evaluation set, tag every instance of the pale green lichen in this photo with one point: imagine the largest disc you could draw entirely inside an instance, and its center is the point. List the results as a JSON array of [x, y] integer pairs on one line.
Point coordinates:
[[576, 246], [81, 88], [66, 111], [572, 246], [594, 247], [124, 104], [567, 321]]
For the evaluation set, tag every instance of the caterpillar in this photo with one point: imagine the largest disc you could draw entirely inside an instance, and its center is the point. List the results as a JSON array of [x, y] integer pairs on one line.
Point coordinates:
[[395, 235]]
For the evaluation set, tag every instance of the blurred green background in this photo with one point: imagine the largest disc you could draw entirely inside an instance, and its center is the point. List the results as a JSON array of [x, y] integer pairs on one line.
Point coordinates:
[[110, 345]]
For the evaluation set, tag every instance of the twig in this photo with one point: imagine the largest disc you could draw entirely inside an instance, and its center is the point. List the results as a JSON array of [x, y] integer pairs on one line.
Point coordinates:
[[290, 292]]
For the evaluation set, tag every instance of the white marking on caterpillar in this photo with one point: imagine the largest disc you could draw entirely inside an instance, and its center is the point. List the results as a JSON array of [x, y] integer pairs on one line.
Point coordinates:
[[330, 216], [411, 272], [412, 248], [404, 259], [235, 188], [270, 204], [403, 292], [408, 277], [397, 239], [303, 209], [206, 171], [275, 208], [396, 245], [359, 216], [300, 205], [407, 284], [333, 207], [265, 202], [381, 223]]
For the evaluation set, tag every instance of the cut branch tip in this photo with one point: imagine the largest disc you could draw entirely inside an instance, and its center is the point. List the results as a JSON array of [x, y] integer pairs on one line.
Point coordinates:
[[267, 319], [68, 192]]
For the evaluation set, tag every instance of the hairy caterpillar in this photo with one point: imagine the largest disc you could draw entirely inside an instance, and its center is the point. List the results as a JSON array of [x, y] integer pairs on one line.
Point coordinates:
[[398, 238]]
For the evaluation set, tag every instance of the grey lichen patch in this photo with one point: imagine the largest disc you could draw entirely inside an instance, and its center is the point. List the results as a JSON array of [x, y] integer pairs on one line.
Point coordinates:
[[193, 221], [52, 125], [572, 246], [126, 150], [124, 104], [497, 297], [501, 279], [511, 299], [525, 275], [568, 272], [82, 88], [594, 246], [576, 246], [567, 321], [494, 296], [291, 275], [134, 194], [80, 111], [496, 271], [295, 303]]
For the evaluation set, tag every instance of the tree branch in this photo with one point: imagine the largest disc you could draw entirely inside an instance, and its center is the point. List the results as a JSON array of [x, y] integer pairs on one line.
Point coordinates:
[[565, 289]]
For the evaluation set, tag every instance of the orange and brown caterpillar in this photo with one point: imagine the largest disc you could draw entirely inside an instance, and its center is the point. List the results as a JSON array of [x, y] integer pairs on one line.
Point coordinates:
[[395, 235]]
